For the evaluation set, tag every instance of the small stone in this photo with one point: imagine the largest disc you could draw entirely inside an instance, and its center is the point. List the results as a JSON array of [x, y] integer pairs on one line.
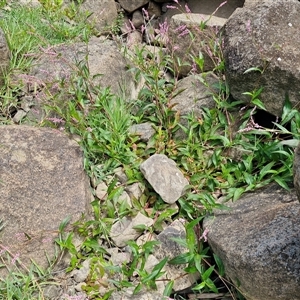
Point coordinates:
[[82, 274], [123, 230], [144, 130], [101, 191], [166, 179]]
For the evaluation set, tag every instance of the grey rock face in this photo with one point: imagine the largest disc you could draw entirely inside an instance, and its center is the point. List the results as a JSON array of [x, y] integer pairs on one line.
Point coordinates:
[[266, 39], [123, 230], [42, 182], [166, 179], [4, 55], [296, 171], [169, 248], [258, 241], [132, 5], [144, 130], [103, 13], [194, 92]]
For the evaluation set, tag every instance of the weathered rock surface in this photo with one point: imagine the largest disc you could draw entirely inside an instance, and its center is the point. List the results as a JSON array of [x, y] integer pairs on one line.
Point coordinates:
[[258, 241], [60, 63], [103, 14], [195, 92], [187, 39], [144, 130], [265, 39], [169, 248], [4, 55], [132, 5], [42, 183], [296, 171], [123, 230], [165, 178]]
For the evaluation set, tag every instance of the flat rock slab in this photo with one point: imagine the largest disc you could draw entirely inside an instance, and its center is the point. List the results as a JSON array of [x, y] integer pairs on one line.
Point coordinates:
[[164, 176], [42, 181], [258, 241]]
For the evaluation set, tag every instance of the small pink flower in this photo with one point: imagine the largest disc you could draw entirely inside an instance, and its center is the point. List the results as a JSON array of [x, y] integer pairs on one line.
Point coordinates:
[[15, 258], [145, 13], [248, 26], [187, 9], [204, 235]]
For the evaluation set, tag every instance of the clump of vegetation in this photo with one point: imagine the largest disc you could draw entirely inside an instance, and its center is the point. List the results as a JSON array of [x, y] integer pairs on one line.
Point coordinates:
[[221, 157]]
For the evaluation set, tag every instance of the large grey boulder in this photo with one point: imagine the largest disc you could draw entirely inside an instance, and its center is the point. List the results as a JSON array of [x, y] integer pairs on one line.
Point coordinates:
[[42, 183], [258, 241], [264, 36], [59, 67]]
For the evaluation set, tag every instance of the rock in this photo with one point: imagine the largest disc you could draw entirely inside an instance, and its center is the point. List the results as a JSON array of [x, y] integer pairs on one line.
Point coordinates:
[[101, 190], [4, 56], [215, 7], [186, 39], [296, 171], [194, 92], [144, 295], [121, 175], [19, 116], [42, 183], [134, 38], [30, 3], [144, 130], [58, 63], [165, 178], [132, 5], [81, 274], [135, 190], [169, 248], [261, 38], [123, 230], [103, 14], [258, 241], [137, 19], [119, 258], [154, 10]]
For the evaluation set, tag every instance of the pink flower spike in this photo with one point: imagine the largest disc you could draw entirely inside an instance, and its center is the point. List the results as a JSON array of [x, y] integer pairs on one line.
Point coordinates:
[[187, 9], [145, 13], [176, 1]]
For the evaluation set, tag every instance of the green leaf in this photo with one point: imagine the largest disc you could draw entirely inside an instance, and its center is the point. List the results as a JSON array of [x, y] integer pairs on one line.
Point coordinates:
[[258, 103], [237, 193], [281, 182], [181, 259], [156, 271], [169, 288], [64, 223], [207, 273], [221, 269], [282, 128]]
